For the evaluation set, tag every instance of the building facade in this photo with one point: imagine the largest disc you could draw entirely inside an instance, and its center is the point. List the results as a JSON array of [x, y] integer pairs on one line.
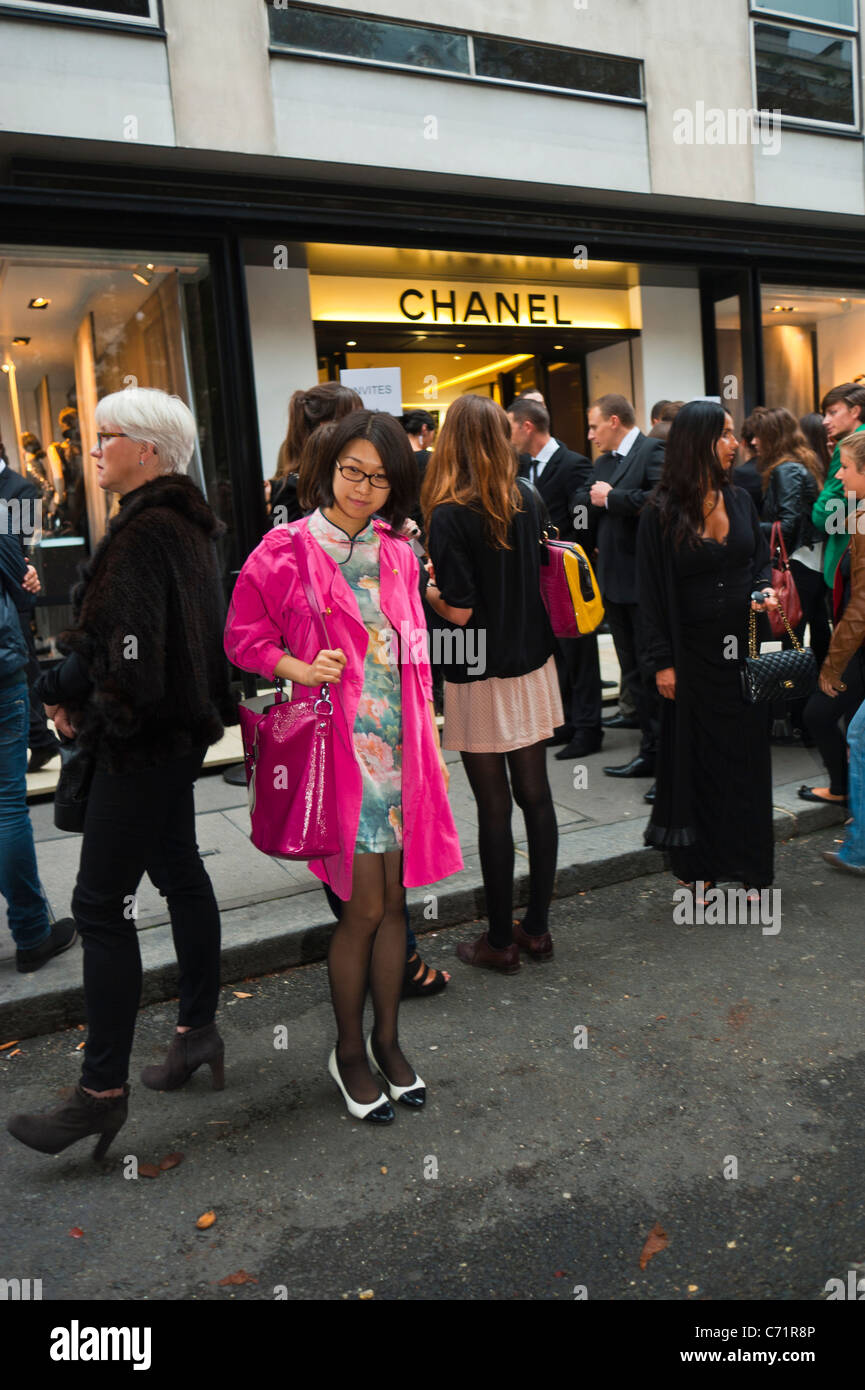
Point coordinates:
[[232, 199]]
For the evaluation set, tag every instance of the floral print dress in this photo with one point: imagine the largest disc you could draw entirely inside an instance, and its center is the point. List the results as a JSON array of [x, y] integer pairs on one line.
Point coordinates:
[[378, 724]]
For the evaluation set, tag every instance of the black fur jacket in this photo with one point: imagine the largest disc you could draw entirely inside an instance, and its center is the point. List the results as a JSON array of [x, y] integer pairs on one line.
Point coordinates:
[[145, 678]]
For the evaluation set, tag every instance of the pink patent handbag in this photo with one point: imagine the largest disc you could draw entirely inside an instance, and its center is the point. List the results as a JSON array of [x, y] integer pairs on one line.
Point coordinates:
[[290, 772]]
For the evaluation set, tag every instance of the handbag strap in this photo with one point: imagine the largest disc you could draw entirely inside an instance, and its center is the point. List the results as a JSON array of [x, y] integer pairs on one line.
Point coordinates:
[[752, 634], [306, 583], [779, 543]]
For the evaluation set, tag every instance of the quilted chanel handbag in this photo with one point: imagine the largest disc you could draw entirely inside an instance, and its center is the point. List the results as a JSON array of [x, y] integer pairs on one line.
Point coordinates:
[[786, 675], [290, 772]]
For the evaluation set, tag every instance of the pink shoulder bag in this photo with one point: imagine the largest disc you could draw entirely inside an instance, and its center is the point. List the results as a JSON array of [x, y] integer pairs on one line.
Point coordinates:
[[290, 773]]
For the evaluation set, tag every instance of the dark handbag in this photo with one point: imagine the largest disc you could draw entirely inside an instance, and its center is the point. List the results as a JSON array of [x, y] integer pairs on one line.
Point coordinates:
[[784, 585], [786, 675], [73, 785]]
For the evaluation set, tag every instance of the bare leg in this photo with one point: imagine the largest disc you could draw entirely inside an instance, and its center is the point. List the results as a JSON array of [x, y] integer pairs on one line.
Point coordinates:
[[386, 974], [348, 965]]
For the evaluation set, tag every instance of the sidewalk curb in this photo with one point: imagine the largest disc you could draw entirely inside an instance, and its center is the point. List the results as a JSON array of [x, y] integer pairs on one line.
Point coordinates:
[[53, 997]]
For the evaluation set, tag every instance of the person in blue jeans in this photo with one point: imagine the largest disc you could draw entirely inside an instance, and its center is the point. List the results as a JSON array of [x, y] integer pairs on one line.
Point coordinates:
[[846, 649], [36, 938]]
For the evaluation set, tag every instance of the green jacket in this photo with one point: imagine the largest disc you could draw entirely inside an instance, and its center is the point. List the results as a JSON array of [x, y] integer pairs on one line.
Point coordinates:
[[829, 515]]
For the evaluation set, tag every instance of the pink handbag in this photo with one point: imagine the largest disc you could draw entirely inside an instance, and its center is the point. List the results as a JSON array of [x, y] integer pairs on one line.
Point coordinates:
[[290, 772]]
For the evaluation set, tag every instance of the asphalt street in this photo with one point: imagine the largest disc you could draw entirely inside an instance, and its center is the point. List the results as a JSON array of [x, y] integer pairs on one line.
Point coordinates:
[[719, 1095]]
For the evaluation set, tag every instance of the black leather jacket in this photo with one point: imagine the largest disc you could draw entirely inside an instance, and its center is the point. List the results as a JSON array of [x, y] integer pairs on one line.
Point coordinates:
[[791, 494]]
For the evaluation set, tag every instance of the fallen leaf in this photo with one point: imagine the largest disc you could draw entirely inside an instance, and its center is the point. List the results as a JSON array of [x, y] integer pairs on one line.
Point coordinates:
[[384, 1170], [365, 1293], [170, 1161], [16, 1053], [3, 1046], [77, 1232], [656, 1240], [240, 1276], [692, 1288], [148, 1170], [658, 1017], [78, 1046], [559, 1274], [79, 1027], [239, 994], [207, 1219]]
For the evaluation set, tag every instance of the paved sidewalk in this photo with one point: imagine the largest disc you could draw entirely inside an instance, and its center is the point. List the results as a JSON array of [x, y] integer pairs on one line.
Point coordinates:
[[274, 913]]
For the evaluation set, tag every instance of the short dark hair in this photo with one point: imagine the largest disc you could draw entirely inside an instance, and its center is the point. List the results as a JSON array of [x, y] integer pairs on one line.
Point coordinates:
[[612, 404], [387, 436], [415, 420], [523, 409], [657, 408], [850, 394]]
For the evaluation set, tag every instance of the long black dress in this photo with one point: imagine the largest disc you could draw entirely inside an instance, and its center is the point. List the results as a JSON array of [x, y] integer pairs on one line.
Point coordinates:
[[712, 813]]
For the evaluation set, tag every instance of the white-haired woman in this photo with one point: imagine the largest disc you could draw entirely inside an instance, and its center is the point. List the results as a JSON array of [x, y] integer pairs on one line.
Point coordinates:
[[144, 688]]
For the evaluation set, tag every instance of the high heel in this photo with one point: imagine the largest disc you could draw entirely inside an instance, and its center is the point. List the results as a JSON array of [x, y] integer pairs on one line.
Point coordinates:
[[83, 1114], [378, 1111], [413, 1095], [188, 1052]]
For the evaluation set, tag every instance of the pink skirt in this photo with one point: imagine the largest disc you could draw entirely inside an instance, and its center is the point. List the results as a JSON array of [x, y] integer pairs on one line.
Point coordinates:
[[502, 713]]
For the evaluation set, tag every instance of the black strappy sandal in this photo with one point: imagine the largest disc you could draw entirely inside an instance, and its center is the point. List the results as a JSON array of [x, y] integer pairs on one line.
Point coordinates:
[[415, 984]]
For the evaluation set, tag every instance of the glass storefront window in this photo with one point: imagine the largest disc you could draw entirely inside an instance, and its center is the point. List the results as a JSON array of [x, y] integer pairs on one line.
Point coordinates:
[[76, 325], [806, 76]]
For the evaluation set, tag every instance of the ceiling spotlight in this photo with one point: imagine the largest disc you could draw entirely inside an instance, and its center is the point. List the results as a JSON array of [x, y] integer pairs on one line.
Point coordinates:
[[5, 367], [457, 357], [352, 342], [150, 265], [39, 303], [20, 342], [558, 347], [141, 276], [460, 344]]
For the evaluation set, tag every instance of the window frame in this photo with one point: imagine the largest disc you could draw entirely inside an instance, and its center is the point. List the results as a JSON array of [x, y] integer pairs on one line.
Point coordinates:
[[83, 14], [277, 48], [812, 122]]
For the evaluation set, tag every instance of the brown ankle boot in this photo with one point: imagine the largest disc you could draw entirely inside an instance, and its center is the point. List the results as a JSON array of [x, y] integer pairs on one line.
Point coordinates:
[[82, 1114], [189, 1051]]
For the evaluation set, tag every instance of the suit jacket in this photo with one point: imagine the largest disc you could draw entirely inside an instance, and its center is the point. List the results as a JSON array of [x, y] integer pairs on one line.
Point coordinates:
[[613, 529], [15, 488], [564, 472]]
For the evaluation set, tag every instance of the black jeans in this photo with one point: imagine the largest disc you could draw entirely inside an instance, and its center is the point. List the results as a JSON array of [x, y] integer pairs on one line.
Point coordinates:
[[624, 624], [822, 714], [579, 670], [137, 823]]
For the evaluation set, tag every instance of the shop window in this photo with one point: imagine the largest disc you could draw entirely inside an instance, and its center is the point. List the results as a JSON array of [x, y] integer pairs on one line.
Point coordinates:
[[144, 12], [76, 325], [330, 34], [809, 74]]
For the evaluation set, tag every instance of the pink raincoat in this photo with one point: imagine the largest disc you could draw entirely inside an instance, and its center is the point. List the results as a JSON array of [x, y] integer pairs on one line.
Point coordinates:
[[269, 616]]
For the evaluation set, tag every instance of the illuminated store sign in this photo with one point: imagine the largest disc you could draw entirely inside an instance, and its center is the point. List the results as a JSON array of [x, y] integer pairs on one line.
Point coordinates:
[[345, 299]]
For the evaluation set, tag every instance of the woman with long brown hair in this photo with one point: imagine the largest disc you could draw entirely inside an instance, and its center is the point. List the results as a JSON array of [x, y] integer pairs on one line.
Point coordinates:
[[329, 400], [792, 476], [501, 689]]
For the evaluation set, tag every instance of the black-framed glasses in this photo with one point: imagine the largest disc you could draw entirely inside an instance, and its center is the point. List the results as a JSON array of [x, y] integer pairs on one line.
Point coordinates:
[[109, 434], [356, 475]]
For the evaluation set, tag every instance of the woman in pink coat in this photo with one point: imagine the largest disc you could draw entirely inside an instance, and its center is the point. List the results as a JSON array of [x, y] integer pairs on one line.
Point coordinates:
[[396, 827]]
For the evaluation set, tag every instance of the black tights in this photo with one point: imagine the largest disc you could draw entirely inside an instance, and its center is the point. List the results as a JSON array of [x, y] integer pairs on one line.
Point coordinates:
[[367, 951], [488, 778]]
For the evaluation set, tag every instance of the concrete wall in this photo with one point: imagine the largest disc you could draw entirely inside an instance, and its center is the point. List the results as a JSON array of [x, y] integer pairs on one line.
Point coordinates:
[[812, 171], [283, 349], [668, 355], [217, 54], [609, 369]]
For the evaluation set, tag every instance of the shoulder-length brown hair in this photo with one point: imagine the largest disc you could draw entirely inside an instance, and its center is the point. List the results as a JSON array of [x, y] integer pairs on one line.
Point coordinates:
[[474, 464], [781, 439]]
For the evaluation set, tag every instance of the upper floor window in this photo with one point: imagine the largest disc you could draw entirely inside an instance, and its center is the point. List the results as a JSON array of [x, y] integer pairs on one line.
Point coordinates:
[[144, 12], [387, 43], [807, 70]]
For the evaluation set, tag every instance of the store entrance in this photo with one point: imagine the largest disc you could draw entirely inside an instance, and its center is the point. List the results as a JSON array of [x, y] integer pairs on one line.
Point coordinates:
[[438, 364]]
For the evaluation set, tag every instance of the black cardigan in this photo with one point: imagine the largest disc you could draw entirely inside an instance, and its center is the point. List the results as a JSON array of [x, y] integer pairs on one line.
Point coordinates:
[[146, 679], [502, 588]]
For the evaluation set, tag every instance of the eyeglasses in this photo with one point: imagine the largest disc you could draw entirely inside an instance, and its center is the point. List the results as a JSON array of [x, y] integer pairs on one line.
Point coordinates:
[[356, 475], [110, 434]]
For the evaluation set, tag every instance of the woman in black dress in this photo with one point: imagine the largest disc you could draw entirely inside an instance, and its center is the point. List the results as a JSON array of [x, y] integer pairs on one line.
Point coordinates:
[[700, 553]]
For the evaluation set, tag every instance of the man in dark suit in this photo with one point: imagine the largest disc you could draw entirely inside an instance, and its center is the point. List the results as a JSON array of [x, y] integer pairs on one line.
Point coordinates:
[[558, 472], [42, 743], [606, 511]]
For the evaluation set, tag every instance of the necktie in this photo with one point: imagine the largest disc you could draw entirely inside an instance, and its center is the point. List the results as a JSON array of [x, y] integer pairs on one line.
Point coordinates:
[[534, 472]]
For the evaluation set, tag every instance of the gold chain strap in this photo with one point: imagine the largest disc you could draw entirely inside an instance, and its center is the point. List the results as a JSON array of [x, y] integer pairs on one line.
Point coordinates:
[[752, 633]]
